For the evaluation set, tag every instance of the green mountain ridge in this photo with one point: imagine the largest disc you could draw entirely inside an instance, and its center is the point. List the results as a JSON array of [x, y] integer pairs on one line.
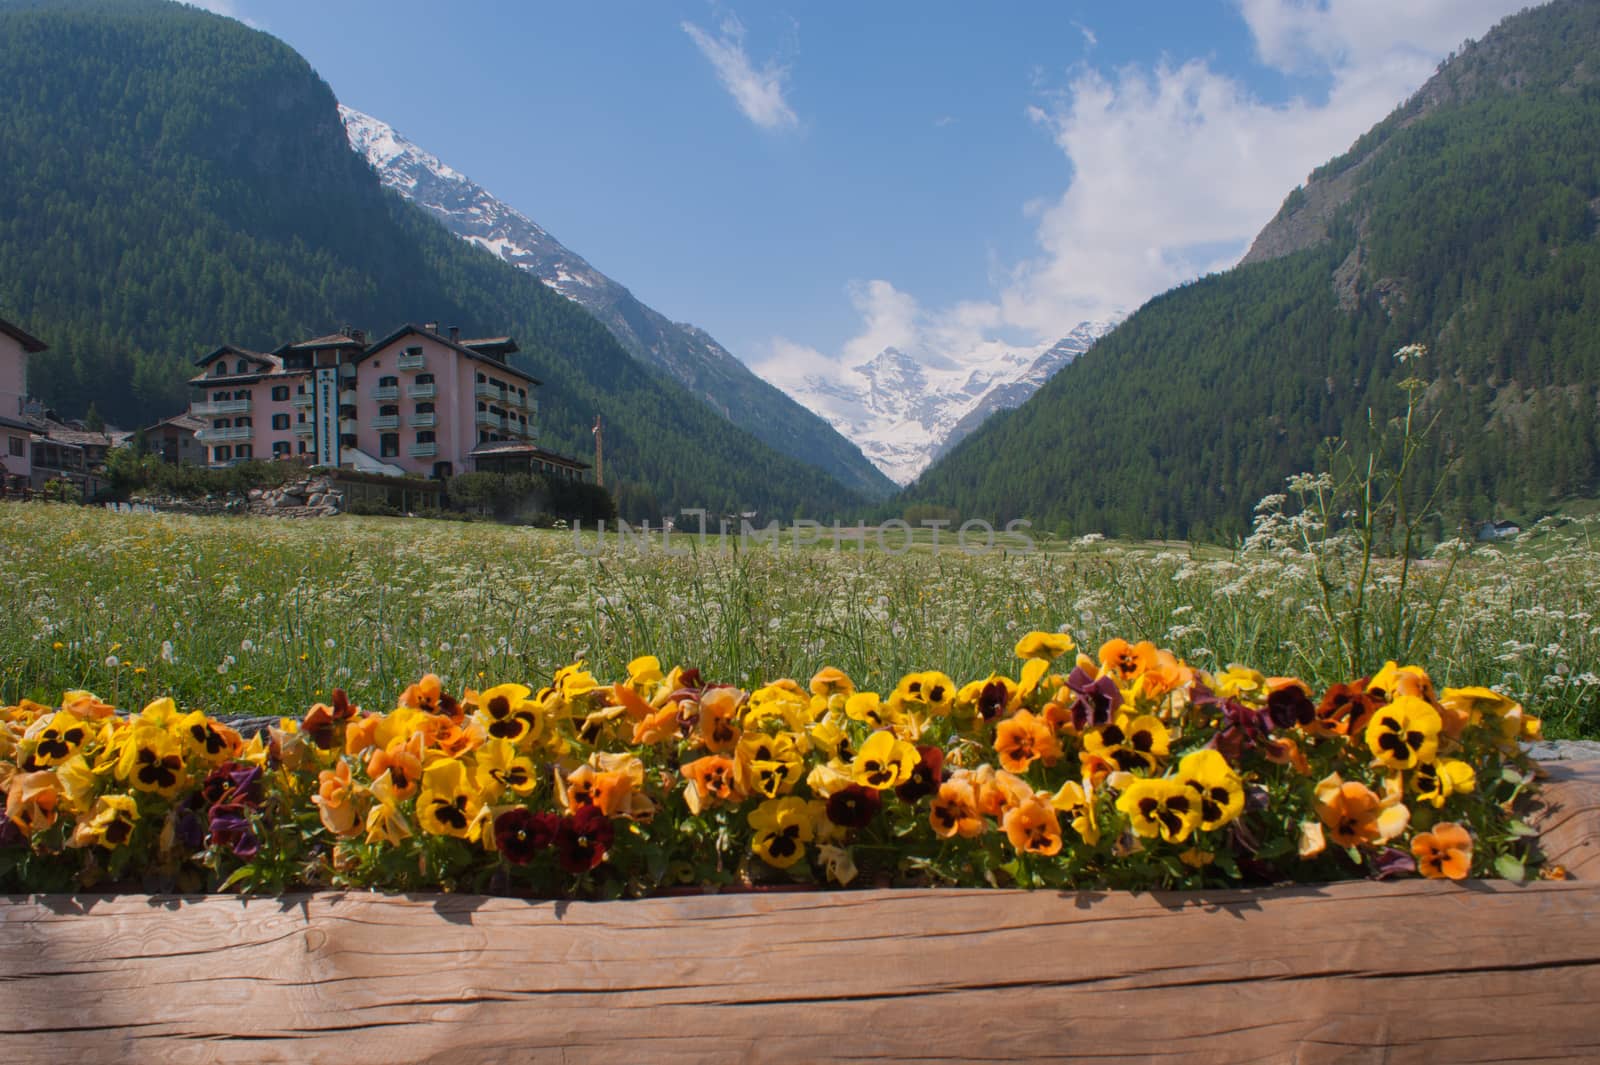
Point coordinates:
[[1469, 221], [171, 180]]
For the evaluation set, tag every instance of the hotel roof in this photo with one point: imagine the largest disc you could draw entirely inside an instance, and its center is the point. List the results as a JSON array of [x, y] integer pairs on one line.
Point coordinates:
[[481, 355], [29, 342]]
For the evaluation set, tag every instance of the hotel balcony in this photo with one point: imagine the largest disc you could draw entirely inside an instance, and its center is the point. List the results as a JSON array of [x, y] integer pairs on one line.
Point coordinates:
[[302, 399], [347, 427], [422, 391], [222, 436], [212, 408], [412, 362], [347, 398], [488, 420], [383, 392], [424, 421], [385, 421], [305, 429], [424, 451], [484, 390]]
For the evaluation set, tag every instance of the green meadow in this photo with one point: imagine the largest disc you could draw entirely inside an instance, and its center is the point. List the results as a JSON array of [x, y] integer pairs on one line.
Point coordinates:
[[261, 616]]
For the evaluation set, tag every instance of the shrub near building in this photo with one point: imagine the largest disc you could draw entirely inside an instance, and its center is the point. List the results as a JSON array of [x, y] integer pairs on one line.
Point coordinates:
[[529, 498]]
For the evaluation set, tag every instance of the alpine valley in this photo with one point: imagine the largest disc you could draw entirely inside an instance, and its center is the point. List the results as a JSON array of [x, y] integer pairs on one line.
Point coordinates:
[[688, 354], [899, 411], [1468, 221]]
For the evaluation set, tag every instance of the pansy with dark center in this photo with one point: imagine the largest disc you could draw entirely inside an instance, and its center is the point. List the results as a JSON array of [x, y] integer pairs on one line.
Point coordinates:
[[520, 834], [583, 838], [993, 699], [1098, 699], [854, 806], [925, 777], [157, 772], [1345, 709], [1404, 733], [57, 742], [323, 723], [233, 782], [231, 828]]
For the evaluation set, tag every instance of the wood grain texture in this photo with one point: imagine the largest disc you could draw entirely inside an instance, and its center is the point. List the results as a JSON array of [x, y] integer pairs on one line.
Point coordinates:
[[1410, 971]]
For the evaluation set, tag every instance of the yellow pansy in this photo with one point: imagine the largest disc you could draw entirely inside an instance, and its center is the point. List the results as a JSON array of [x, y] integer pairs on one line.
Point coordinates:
[[1404, 733], [1434, 782], [884, 761], [1161, 807], [783, 828], [1215, 784], [1047, 646], [448, 805], [498, 766]]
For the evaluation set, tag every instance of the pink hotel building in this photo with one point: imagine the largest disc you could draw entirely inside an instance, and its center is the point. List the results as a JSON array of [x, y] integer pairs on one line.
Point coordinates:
[[417, 401], [15, 433]]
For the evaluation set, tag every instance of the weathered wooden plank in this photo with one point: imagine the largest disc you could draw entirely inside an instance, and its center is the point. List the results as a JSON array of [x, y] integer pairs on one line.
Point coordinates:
[[1357, 972]]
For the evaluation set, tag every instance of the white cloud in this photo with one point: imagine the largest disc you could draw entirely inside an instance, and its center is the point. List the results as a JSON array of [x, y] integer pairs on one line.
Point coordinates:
[[228, 8], [758, 92], [1172, 169], [1089, 38]]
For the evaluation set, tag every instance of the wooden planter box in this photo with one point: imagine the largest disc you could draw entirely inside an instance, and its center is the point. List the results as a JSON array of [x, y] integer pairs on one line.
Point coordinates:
[[1413, 970]]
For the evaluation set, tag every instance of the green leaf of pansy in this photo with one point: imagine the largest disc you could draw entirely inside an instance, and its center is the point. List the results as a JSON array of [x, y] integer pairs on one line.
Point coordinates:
[[1510, 868]]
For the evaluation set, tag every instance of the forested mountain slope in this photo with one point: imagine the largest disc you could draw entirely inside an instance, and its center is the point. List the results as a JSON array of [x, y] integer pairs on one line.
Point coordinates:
[[171, 180], [1469, 221]]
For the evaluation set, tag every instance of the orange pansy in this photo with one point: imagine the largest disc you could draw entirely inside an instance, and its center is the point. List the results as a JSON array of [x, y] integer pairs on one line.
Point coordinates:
[[1445, 852], [1022, 738]]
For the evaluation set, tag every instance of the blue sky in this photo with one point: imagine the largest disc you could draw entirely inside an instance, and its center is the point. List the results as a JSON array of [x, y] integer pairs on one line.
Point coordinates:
[[814, 181]]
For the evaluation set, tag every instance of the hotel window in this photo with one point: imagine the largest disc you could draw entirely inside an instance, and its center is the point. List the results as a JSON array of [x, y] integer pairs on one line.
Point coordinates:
[[219, 370], [389, 445], [280, 392], [425, 437], [218, 397], [243, 423], [388, 410], [221, 454], [301, 417], [241, 367], [388, 382], [482, 380], [280, 421], [280, 449], [424, 378], [303, 449], [244, 451], [18, 446], [424, 408]]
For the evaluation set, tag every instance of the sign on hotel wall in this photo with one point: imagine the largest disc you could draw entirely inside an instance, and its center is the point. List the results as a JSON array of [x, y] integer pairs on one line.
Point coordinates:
[[328, 416]]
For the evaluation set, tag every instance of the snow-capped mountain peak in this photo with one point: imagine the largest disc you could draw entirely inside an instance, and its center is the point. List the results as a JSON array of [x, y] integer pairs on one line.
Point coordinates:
[[904, 414]]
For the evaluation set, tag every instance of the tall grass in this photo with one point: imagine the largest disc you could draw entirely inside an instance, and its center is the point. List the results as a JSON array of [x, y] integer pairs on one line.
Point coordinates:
[[250, 616]]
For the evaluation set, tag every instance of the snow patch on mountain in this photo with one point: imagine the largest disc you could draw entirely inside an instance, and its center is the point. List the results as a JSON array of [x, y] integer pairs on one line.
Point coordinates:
[[904, 413]]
